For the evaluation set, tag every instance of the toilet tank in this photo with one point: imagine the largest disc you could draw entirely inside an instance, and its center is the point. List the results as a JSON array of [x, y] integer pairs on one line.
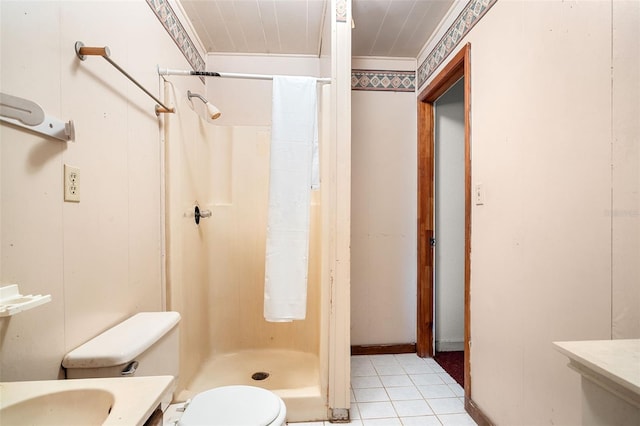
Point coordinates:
[[145, 344]]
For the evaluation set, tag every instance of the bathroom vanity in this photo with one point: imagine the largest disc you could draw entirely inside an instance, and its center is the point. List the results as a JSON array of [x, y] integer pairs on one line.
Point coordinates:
[[610, 371]]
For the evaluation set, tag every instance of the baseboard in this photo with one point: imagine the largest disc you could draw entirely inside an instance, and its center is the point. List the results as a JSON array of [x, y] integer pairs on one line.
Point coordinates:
[[476, 413], [449, 346], [399, 348]]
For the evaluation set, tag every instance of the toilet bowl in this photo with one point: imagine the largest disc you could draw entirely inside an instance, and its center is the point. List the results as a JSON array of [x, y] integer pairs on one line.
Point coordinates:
[[146, 344], [235, 406]]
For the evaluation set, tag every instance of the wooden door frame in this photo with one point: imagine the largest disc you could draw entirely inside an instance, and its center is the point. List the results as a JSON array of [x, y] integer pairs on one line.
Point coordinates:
[[459, 66]]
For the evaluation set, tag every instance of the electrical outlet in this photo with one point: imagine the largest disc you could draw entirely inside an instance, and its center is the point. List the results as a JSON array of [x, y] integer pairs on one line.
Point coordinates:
[[71, 184]]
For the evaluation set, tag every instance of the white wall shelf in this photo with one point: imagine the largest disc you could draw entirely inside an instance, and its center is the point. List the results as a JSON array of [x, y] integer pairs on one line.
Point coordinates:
[[12, 302]]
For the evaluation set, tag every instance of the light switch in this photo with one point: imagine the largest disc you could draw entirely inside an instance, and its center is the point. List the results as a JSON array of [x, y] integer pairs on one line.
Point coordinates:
[[479, 194]]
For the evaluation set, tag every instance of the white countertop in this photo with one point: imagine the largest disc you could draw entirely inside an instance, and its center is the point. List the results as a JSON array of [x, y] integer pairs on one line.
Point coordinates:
[[133, 398], [614, 360]]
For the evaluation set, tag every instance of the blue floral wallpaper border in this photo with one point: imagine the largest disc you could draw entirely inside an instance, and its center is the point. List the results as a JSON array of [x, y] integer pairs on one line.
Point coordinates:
[[470, 15], [387, 81], [341, 10], [172, 24]]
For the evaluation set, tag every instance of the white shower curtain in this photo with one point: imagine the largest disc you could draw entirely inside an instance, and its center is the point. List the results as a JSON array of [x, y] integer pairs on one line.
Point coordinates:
[[293, 137]]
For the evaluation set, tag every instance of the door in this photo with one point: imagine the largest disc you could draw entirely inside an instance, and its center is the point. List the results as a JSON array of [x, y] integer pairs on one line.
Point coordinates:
[[449, 220]]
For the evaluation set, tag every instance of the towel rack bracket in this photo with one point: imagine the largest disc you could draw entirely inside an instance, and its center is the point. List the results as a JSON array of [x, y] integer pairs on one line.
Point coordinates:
[[82, 51]]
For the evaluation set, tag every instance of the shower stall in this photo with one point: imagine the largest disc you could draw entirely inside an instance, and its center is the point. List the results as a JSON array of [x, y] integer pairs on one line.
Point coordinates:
[[215, 269]]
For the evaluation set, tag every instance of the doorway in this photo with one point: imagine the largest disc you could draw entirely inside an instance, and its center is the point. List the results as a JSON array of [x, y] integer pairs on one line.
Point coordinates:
[[448, 282], [458, 67]]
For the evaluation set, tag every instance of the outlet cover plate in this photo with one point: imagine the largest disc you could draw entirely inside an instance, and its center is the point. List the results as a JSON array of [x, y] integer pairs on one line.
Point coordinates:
[[71, 184]]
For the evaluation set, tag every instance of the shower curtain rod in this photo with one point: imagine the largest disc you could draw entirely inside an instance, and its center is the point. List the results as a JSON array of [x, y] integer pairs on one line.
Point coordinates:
[[167, 71]]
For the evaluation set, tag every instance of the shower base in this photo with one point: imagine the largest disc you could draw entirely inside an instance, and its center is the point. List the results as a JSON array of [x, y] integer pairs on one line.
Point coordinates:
[[294, 376]]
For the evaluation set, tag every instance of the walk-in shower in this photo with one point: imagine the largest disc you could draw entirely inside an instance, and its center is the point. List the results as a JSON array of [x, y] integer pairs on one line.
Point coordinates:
[[215, 270]]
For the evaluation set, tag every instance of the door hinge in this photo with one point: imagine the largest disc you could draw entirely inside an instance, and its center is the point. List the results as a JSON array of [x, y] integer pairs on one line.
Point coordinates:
[[432, 242]]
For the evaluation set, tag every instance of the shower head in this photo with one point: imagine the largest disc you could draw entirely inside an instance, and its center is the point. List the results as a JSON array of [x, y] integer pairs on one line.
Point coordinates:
[[212, 111]]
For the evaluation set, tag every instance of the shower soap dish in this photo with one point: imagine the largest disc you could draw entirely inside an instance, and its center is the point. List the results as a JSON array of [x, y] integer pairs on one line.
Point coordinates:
[[12, 302]]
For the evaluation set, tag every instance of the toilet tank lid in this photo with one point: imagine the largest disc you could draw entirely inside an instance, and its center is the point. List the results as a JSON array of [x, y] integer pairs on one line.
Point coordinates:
[[124, 342]]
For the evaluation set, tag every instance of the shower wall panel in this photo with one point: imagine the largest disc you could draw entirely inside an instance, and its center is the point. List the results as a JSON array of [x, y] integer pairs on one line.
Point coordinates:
[[237, 236]]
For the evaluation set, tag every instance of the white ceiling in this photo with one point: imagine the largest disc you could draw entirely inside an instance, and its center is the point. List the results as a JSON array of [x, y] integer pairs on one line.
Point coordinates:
[[395, 28]]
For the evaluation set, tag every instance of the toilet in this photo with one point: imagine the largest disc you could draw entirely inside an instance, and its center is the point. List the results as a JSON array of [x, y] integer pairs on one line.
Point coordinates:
[[235, 406], [147, 344]]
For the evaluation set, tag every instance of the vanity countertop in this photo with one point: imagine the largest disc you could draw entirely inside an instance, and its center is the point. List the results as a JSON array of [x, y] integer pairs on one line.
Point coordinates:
[[615, 360], [107, 401]]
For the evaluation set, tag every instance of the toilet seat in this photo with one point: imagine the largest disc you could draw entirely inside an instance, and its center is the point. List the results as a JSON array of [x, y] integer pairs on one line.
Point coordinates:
[[235, 406]]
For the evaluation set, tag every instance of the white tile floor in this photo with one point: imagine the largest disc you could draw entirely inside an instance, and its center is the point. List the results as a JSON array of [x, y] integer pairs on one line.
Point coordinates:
[[397, 390], [402, 390]]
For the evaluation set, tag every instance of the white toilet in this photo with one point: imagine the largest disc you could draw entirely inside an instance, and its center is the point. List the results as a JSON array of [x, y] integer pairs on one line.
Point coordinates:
[[147, 345]]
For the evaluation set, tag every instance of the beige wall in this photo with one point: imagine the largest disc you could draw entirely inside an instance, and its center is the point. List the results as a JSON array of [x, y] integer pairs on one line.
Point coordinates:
[[100, 259], [383, 217], [545, 263]]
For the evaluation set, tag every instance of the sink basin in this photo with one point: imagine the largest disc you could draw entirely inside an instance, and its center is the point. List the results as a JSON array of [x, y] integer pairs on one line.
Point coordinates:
[[66, 407], [83, 402]]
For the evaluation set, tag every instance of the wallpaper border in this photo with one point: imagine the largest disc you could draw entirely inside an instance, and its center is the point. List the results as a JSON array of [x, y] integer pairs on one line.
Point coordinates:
[[341, 10], [385, 81], [167, 16], [470, 15]]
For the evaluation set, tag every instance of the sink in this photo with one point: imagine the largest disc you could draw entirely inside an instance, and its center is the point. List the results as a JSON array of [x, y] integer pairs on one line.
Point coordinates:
[[66, 407], [83, 402]]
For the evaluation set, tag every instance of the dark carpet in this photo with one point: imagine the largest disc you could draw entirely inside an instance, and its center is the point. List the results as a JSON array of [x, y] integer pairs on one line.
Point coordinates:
[[452, 363]]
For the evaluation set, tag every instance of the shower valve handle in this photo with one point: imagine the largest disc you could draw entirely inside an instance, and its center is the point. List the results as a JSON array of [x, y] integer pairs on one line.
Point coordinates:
[[197, 213]]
